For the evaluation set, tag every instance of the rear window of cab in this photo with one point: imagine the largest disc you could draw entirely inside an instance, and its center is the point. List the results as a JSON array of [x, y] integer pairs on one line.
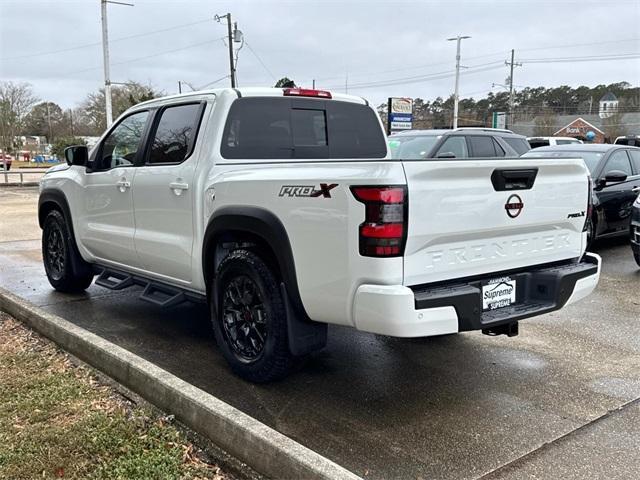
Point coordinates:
[[301, 128]]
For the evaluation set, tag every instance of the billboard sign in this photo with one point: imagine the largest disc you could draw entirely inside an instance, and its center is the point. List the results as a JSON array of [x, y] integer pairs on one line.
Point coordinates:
[[400, 114]]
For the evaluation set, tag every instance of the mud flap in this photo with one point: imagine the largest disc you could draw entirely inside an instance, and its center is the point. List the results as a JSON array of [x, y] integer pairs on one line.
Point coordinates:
[[305, 336]]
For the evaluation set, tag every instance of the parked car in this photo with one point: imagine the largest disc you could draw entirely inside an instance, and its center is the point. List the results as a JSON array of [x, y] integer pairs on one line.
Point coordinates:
[[615, 170], [282, 210], [5, 160], [537, 142], [630, 140], [635, 230], [457, 143]]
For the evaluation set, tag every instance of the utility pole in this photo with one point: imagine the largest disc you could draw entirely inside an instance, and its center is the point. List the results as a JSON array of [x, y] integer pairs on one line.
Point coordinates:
[[179, 86], [230, 39], [511, 64], [456, 98], [105, 58], [49, 123]]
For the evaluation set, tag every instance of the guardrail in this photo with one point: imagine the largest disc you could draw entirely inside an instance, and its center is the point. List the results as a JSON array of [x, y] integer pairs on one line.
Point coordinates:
[[21, 173]]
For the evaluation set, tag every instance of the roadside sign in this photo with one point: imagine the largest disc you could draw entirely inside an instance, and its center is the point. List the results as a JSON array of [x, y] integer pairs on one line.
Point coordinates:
[[400, 114], [499, 120]]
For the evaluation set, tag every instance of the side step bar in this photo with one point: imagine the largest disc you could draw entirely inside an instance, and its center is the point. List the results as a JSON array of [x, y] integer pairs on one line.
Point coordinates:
[[155, 292]]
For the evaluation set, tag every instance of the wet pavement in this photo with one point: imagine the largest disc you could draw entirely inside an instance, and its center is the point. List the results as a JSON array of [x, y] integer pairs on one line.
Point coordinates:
[[558, 401]]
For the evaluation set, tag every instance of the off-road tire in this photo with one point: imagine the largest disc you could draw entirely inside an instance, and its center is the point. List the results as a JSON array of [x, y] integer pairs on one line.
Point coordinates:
[[274, 361], [60, 255]]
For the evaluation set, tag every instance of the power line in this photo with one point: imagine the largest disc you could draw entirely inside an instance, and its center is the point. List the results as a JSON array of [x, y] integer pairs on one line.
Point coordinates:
[[186, 47], [420, 78], [590, 58], [212, 83], [87, 45], [623, 40], [260, 60]]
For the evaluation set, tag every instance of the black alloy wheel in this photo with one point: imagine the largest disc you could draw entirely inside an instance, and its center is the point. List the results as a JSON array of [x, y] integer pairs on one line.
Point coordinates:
[[55, 252], [244, 319]]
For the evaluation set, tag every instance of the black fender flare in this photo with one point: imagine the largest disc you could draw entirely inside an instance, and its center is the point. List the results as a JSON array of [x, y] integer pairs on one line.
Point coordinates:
[[304, 335], [53, 198]]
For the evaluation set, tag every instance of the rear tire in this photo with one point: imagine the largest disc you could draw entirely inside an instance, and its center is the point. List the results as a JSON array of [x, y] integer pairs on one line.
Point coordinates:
[[636, 255], [591, 233], [249, 318], [60, 255]]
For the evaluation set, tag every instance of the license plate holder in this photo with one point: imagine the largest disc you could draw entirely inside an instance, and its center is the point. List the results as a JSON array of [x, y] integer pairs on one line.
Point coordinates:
[[498, 293]]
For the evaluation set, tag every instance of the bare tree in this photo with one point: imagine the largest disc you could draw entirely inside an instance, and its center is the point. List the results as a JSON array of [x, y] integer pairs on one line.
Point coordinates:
[[122, 97], [16, 100]]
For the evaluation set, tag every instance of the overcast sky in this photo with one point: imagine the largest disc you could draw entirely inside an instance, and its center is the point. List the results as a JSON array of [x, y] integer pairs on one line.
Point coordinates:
[[378, 48]]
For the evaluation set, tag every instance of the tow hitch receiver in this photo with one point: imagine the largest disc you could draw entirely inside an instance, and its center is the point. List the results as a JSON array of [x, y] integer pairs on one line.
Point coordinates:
[[508, 329]]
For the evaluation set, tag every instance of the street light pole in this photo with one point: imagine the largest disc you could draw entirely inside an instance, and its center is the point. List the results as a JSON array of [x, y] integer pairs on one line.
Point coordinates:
[[105, 58], [458, 39]]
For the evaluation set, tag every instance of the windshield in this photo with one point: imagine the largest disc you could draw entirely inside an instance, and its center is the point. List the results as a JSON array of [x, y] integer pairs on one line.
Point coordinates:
[[591, 159], [412, 147]]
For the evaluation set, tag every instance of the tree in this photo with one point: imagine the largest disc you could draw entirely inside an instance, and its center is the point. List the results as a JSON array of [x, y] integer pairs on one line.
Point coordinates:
[[46, 119], [545, 124], [16, 99], [285, 82], [63, 142], [122, 97]]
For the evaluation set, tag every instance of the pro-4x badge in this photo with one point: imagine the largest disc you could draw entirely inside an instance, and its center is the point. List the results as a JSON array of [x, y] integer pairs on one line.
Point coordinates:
[[307, 190]]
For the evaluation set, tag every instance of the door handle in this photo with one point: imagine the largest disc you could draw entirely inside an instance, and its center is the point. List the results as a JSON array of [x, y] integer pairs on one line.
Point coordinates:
[[123, 184], [178, 187]]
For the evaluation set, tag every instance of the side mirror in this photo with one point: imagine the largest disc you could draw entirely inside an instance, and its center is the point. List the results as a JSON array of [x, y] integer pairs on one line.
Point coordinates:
[[446, 155], [76, 155], [615, 176]]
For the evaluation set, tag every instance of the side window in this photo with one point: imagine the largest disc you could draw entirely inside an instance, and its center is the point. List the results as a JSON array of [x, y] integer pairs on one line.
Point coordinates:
[[498, 148], [121, 147], [518, 144], [538, 142], [175, 136], [456, 145], [619, 161], [482, 146], [635, 160]]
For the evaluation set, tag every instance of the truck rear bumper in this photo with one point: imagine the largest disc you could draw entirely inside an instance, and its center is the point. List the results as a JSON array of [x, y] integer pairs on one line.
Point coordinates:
[[423, 311]]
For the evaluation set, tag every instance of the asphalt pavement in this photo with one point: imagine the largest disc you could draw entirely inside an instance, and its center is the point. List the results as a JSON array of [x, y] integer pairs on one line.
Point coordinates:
[[561, 400]]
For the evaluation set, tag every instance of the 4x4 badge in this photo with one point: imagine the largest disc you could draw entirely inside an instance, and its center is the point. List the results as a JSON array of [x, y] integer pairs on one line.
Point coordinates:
[[307, 190], [514, 206]]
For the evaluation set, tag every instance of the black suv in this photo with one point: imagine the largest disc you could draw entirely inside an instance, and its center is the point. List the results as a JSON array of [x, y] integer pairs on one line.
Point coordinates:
[[457, 143]]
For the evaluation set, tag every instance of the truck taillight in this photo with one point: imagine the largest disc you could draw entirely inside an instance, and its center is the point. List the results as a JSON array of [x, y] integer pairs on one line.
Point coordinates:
[[589, 204], [306, 92], [384, 231]]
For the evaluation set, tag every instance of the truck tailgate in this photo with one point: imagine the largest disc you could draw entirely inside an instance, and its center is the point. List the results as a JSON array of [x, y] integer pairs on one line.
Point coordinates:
[[475, 217]]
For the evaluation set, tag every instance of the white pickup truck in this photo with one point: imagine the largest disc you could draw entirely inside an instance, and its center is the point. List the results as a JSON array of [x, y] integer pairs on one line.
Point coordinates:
[[283, 209]]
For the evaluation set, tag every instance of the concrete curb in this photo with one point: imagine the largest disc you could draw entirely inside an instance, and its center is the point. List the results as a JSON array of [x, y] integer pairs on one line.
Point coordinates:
[[252, 442]]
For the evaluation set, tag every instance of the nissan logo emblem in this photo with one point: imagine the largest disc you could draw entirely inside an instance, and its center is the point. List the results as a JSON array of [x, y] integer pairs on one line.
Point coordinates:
[[514, 206]]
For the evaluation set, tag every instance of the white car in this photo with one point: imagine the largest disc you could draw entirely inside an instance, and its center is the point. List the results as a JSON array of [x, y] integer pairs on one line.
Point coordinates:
[[536, 142], [283, 209]]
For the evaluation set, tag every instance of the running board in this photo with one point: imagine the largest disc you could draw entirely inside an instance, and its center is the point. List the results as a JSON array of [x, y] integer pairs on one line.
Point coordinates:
[[155, 292], [162, 295]]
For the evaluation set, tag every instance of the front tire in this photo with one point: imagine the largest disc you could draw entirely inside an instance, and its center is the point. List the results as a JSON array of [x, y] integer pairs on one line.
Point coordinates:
[[249, 318], [59, 256]]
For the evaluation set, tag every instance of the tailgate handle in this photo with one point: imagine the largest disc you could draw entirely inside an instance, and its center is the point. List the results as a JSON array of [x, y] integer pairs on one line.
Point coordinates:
[[513, 179]]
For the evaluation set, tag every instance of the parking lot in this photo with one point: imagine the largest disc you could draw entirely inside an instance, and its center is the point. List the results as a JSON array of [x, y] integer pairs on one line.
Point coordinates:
[[561, 400]]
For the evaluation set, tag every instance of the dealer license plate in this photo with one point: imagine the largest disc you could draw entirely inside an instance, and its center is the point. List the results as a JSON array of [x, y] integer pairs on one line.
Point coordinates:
[[498, 293]]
